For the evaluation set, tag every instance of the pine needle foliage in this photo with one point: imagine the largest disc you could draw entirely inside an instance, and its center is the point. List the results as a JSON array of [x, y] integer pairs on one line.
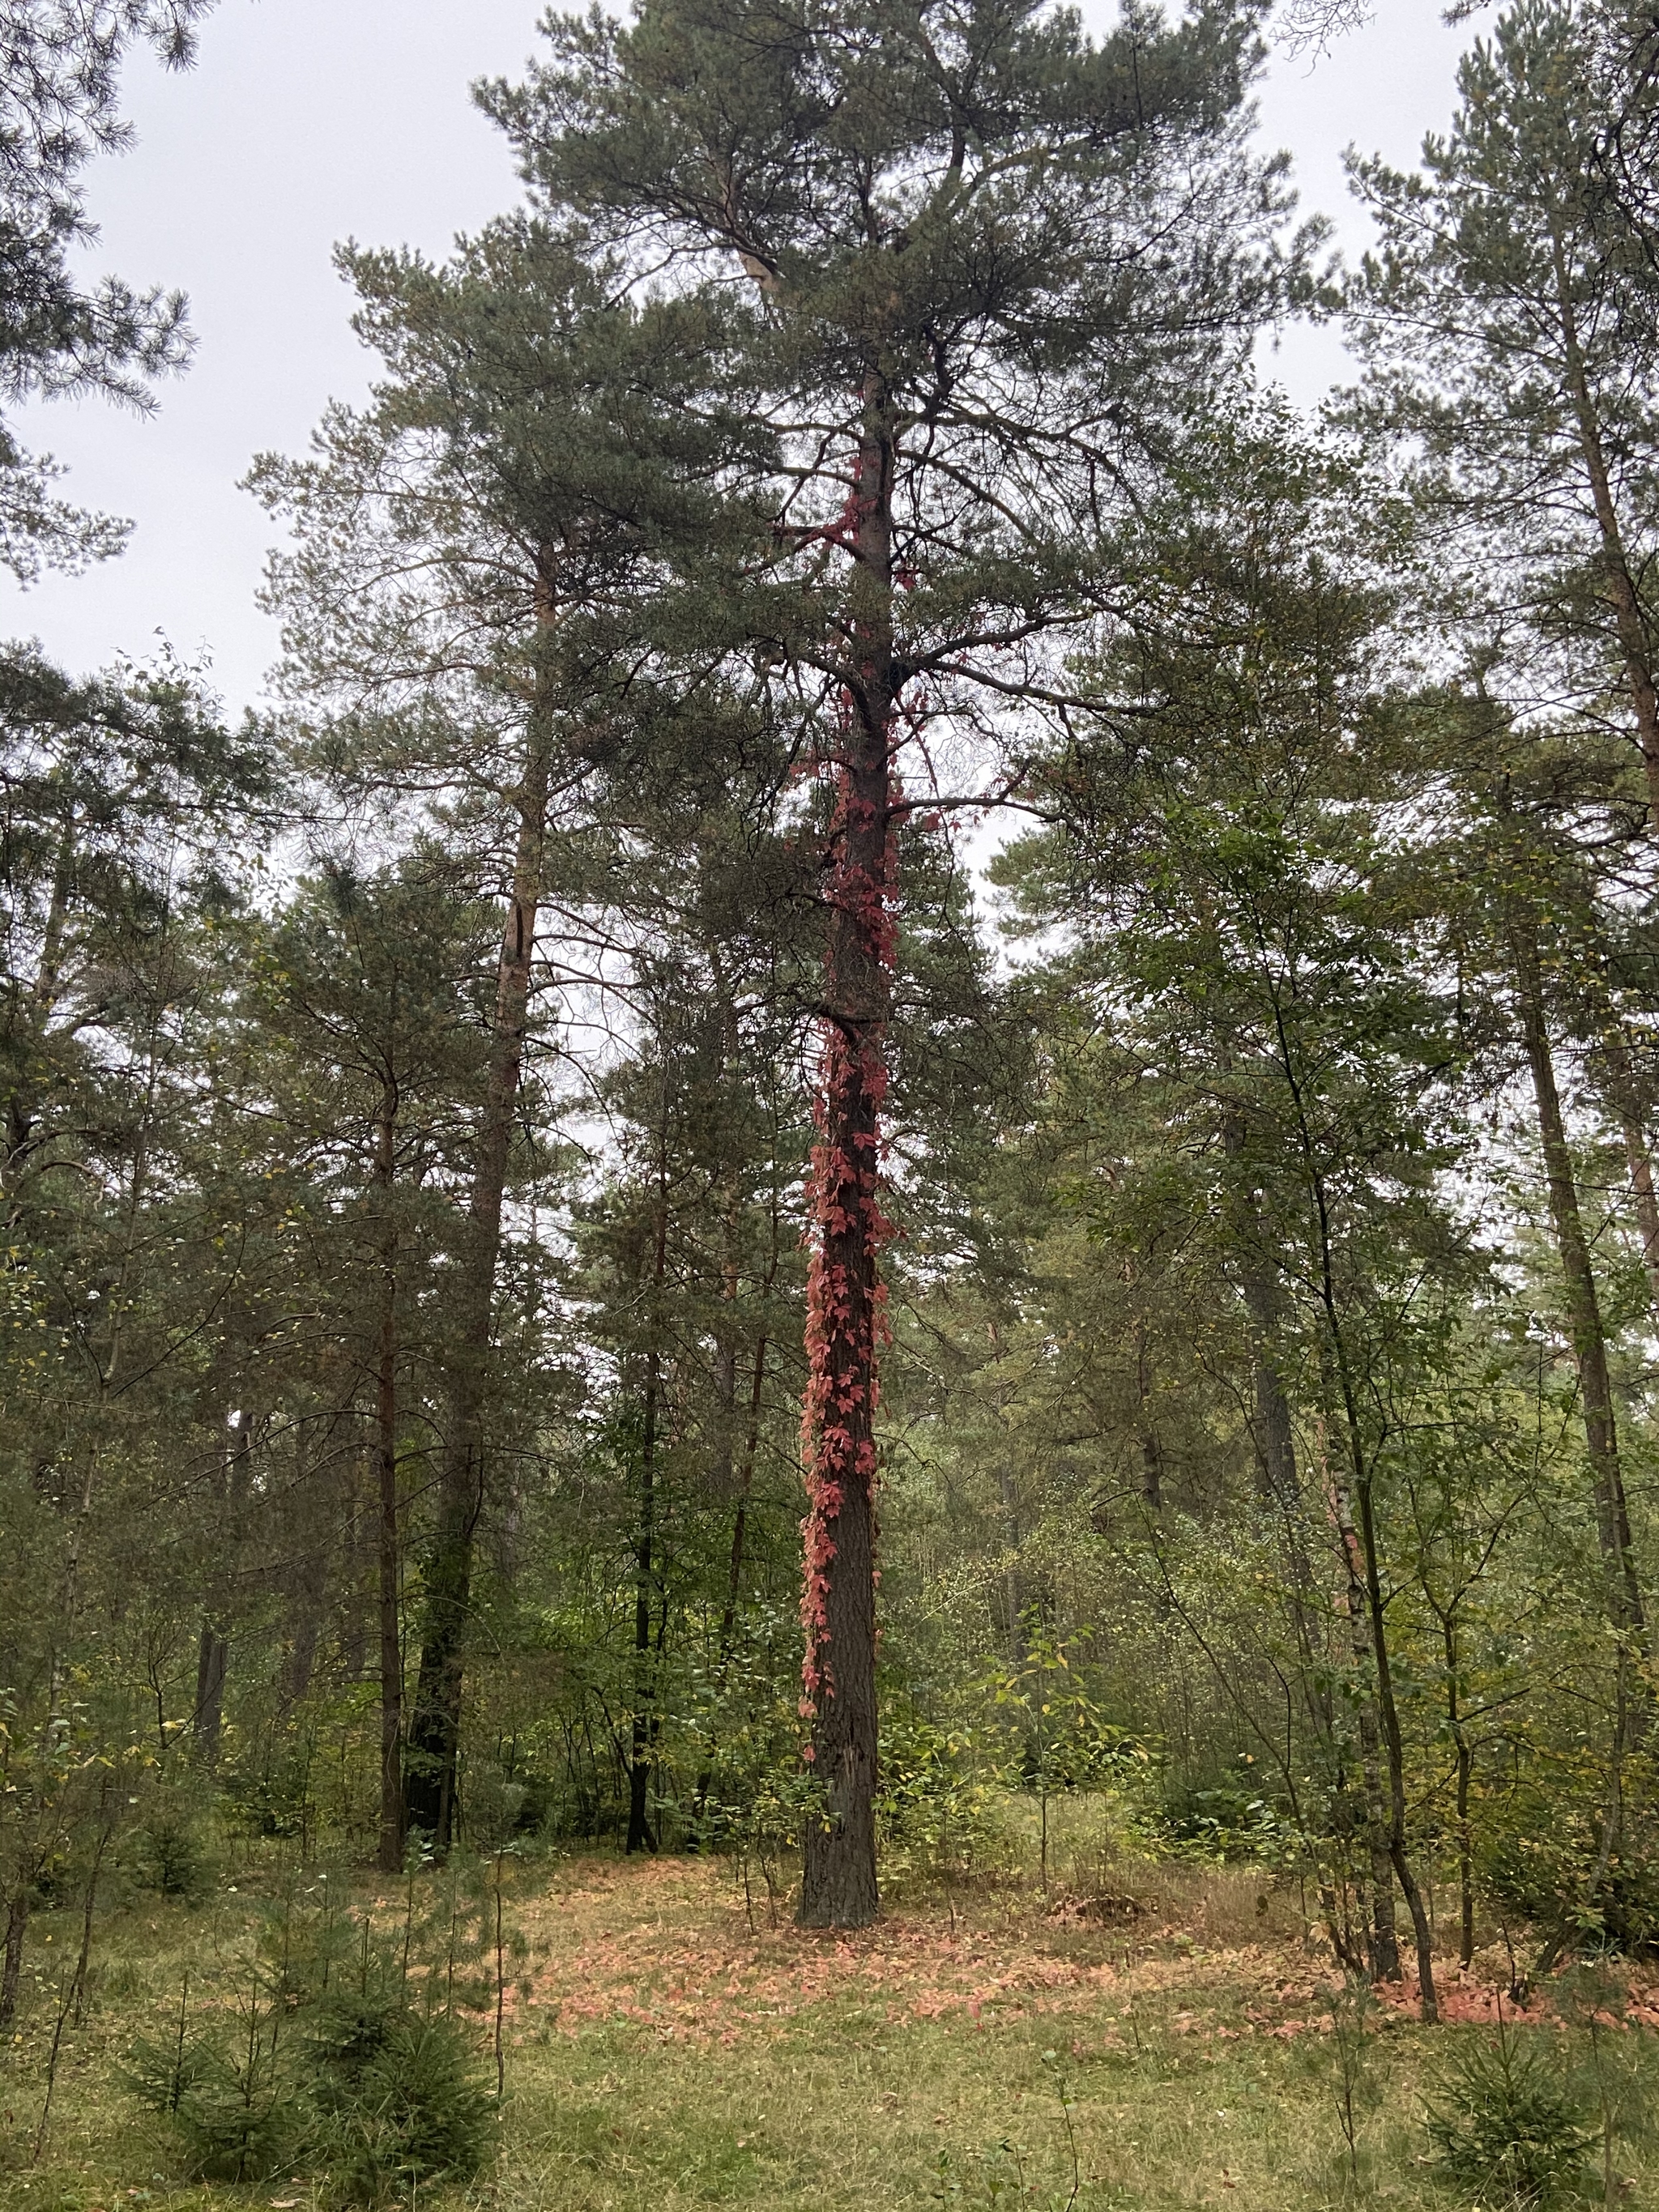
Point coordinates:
[[395, 2098], [1505, 2130], [343, 2059]]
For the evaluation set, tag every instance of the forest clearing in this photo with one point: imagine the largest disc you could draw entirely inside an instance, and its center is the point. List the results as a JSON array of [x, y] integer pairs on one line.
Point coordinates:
[[1173, 2041], [830, 1265]]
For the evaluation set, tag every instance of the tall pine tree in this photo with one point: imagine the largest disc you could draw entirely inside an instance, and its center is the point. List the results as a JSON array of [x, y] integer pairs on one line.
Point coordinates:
[[992, 267]]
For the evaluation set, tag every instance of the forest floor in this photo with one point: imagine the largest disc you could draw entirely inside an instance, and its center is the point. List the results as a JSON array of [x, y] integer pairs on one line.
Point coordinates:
[[1171, 2042]]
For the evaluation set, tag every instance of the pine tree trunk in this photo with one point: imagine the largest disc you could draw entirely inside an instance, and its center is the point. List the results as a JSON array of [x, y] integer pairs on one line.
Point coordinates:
[[1626, 1611], [726, 1333], [436, 1724], [41, 998], [212, 1658], [1639, 1161], [1272, 1436], [1008, 1497], [639, 1838], [745, 1485], [1011, 1596], [1625, 1099], [1152, 1451], [307, 1594], [1624, 1603], [845, 1295], [1628, 622], [213, 1648], [387, 1549], [1275, 1441]]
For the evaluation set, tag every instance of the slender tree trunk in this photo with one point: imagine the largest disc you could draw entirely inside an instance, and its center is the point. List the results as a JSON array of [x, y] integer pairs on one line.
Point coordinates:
[[49, 975], [1274, 1440], [1622, 1095], [1626, 1610], [1008, 1492], [436, 1724], [1383, 1941], [726, 1333], [1389, 1707], [308, 1594], [1152, 1451], [740, 1518], [1583, 1303], [845, 1292], [1365, 1600], [88, 1906], [1465, 1776], [726, 1639], [388, 1547], [212, 1659], [737, 1558], [213, 1648], [41, 998], [11, 1966], [1278, 1480], [1011, 1538], [640, 1836], [1628, 622]]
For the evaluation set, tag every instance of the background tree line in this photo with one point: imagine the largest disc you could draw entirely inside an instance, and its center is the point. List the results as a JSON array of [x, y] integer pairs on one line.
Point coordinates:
[[491, 1145]]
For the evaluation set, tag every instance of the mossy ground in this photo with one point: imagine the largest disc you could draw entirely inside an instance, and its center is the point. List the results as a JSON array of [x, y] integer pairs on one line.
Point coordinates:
[[1168, 2041]]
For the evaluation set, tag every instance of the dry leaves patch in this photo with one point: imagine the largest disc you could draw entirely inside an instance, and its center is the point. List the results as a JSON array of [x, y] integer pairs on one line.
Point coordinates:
[[664, 1945]]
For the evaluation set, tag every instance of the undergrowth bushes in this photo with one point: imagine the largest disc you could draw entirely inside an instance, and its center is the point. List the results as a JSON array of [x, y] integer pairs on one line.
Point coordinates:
[[339, 2049]]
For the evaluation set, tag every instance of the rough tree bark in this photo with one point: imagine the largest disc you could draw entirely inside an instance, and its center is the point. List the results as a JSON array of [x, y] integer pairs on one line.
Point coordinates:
[[845, 1298]]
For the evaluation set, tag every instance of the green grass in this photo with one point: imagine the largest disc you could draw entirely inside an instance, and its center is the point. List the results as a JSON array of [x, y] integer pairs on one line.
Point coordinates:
[[660, 2056]]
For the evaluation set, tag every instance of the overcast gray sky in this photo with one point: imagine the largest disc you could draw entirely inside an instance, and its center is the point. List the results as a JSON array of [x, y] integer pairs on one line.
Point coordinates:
[[309, 121]]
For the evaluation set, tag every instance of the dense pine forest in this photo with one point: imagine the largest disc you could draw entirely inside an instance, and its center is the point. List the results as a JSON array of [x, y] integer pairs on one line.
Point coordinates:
[[903, 1108]]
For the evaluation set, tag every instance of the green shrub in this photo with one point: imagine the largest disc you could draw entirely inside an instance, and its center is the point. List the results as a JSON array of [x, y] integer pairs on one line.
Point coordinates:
[[1228, 1824], [357, 2088], [273, 1797], [170, 1856], [227, 2102], [1542, 1861], [1505, 2130], [393, 2099]]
